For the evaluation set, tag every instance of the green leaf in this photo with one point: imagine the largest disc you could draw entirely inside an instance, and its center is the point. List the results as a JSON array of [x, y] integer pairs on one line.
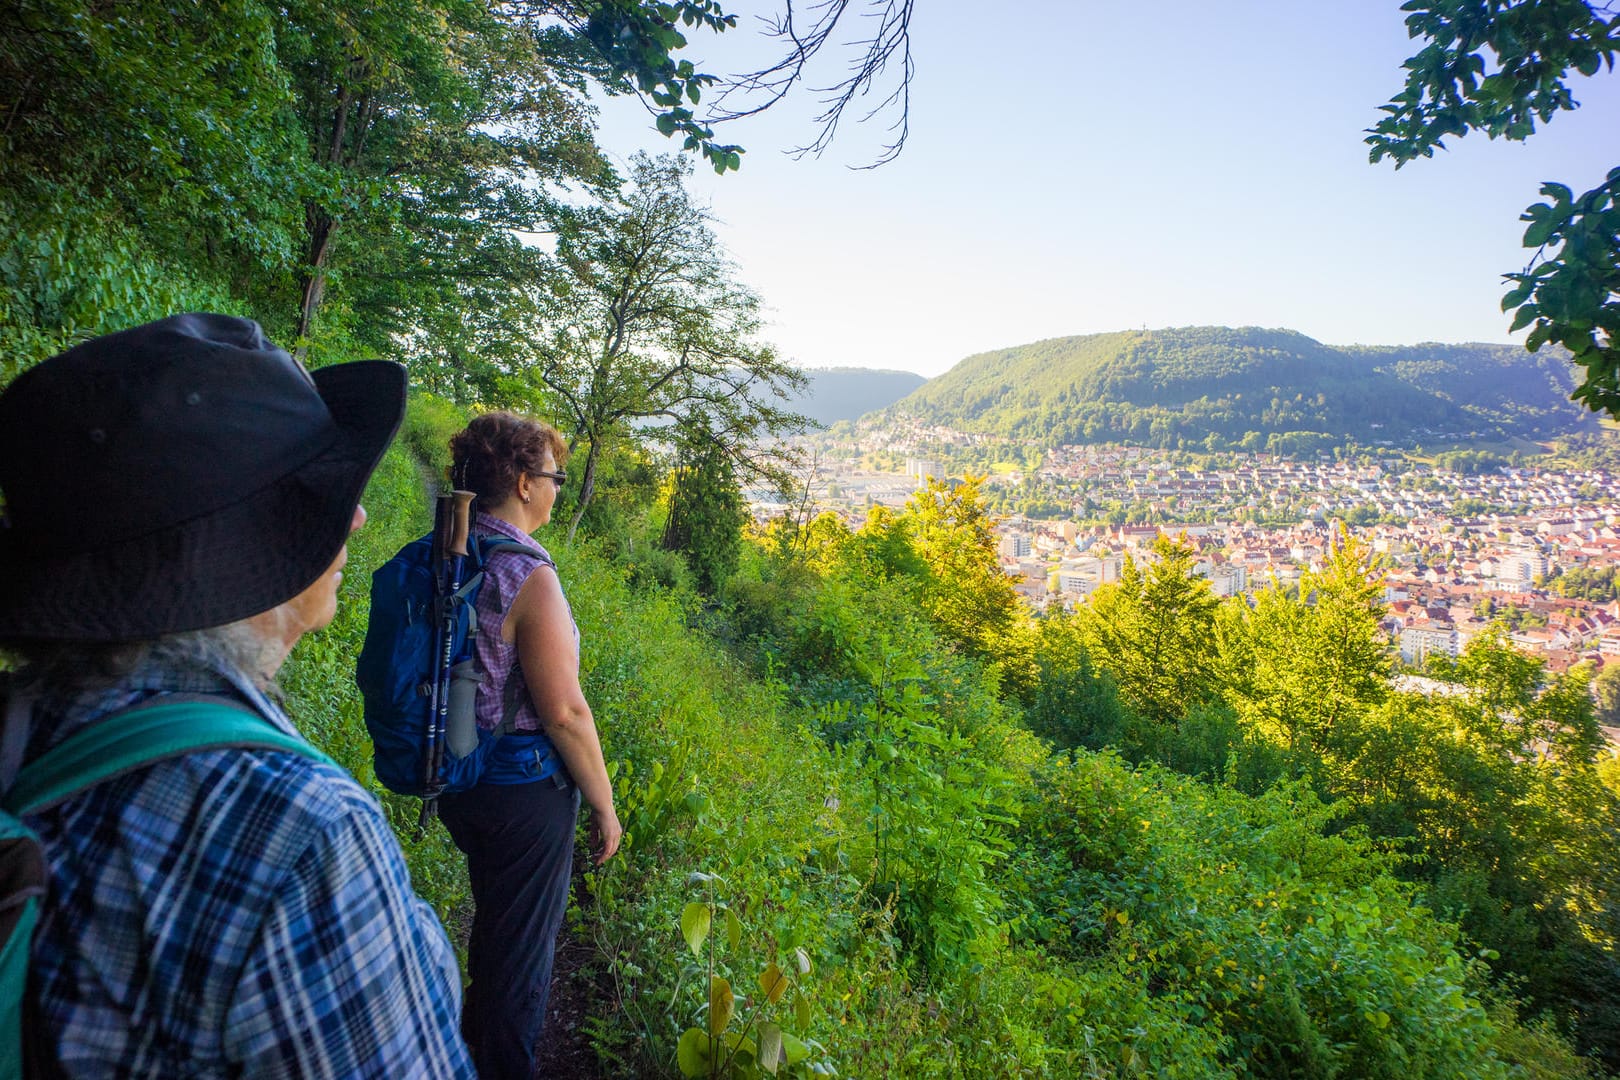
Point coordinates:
[[1559, 192], [666, 124], [741, 1045], [1527, 315], [694, 1051], [722, 1005], [774, 983], [733, 930], [770, 1047], [794, 1049], [1538, 234], [801, 1011], [695, 921]]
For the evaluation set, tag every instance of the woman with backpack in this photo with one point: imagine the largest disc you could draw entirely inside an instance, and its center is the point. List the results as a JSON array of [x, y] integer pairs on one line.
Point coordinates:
[[519, 837], [222, 900]]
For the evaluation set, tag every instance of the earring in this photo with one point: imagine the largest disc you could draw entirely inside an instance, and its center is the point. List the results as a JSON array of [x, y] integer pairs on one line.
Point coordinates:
[[525, 499]]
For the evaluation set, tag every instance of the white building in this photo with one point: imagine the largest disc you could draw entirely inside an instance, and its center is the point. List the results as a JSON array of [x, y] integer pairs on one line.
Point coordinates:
[[924, 469], [1418, 642], [1075, 583], [1228, 580], [1521, 566], [1015, 546]]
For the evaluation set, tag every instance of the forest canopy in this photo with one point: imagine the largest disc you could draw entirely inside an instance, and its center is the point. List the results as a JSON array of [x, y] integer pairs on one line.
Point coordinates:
[[1214, 386]]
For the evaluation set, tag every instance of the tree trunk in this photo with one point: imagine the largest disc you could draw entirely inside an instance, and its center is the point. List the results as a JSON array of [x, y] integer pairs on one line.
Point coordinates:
[[321, 225], [321, 228], [587, 485]]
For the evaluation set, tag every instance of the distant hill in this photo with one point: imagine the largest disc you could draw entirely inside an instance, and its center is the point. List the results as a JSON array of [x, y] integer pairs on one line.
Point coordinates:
[[836, 394], [1216, 385]]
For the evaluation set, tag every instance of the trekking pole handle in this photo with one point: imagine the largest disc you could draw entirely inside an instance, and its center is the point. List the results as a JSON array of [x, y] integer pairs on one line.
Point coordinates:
[[460, 523]]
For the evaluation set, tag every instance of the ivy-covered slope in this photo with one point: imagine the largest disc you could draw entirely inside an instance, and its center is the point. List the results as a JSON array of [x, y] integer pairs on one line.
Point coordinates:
[[1193, 382]]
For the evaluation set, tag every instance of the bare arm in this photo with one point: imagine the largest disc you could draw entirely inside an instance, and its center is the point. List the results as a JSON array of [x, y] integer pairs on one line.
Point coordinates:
[[541, 627]]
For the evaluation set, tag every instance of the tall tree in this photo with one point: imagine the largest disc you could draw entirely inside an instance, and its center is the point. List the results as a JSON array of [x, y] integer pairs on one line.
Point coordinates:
[[1153, 632], [1305, 666], [177, 117], [1500, 67], [383, 156], [435, 129], [645, 320], [150, 160], [1495, 786], [358, 176], [706, 509], [950, 532]]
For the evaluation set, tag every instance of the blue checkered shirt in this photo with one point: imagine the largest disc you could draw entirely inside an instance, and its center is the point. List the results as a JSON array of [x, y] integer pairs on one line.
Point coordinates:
[[233, 913]]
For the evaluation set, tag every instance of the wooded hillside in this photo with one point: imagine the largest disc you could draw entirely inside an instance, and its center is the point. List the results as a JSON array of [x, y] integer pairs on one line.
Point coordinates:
[[1213, 386]]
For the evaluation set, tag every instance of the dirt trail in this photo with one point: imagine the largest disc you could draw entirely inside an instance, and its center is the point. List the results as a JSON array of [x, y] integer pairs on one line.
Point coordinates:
[[564, 1052]]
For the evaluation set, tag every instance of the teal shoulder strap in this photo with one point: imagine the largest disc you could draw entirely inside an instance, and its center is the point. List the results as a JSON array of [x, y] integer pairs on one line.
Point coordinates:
[[139, 737]]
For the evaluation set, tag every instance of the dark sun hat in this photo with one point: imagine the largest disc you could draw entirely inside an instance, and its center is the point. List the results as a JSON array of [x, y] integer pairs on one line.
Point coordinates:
[[179, 475]]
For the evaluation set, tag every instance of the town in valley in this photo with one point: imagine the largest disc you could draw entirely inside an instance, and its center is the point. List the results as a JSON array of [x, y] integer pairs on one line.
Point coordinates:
[[1531, 548]]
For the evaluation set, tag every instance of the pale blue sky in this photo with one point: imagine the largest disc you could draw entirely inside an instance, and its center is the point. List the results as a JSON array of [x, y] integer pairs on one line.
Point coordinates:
[[1087, 166]]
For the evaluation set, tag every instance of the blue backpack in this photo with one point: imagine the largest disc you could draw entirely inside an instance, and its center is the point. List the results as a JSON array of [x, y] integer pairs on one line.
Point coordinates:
[[396, 672], [133, 738]]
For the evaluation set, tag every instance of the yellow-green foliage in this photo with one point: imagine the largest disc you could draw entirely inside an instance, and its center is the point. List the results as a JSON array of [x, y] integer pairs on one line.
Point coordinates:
[[425, 435], [946, 897], [1110, 922], [1295, 952]]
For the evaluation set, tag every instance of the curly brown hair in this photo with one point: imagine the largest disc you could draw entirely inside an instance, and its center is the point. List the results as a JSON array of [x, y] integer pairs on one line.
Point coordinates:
[[489, 454]]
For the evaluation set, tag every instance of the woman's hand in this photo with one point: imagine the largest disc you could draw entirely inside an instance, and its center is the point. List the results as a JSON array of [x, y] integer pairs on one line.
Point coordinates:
[[605, 834]]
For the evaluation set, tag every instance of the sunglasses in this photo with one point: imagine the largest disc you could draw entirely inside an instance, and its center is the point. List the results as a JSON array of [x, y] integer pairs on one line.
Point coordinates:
[[559, 477]]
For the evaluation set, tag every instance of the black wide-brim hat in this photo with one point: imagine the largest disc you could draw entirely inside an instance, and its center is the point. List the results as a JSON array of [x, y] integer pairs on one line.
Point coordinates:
[[179, 475]]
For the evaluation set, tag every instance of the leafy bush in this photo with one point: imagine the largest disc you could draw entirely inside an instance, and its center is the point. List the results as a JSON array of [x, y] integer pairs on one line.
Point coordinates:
[[70, 270], [1297, 950]]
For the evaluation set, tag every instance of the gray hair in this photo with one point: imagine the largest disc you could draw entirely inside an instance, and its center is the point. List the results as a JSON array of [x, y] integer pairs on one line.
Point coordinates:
[[68, 667]]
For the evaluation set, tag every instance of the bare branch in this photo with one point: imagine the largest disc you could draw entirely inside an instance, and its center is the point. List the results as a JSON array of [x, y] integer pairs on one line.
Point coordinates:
[[890, 39]]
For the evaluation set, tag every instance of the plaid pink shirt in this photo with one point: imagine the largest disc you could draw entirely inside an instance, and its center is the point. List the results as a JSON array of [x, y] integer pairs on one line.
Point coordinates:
[[504, 575]]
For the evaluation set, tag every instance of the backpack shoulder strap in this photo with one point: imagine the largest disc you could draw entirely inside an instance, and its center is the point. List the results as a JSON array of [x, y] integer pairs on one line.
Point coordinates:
[[140, 736], [491, 543]]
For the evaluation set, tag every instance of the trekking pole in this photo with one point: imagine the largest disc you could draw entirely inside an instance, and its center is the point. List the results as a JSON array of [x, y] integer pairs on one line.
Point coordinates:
[[451, 528]]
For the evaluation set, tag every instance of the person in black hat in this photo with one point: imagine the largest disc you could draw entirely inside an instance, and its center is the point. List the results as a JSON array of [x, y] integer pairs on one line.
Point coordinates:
[[177, 498]]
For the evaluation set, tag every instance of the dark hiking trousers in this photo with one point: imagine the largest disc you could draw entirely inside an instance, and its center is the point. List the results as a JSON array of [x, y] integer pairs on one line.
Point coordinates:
[[519, 843]]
